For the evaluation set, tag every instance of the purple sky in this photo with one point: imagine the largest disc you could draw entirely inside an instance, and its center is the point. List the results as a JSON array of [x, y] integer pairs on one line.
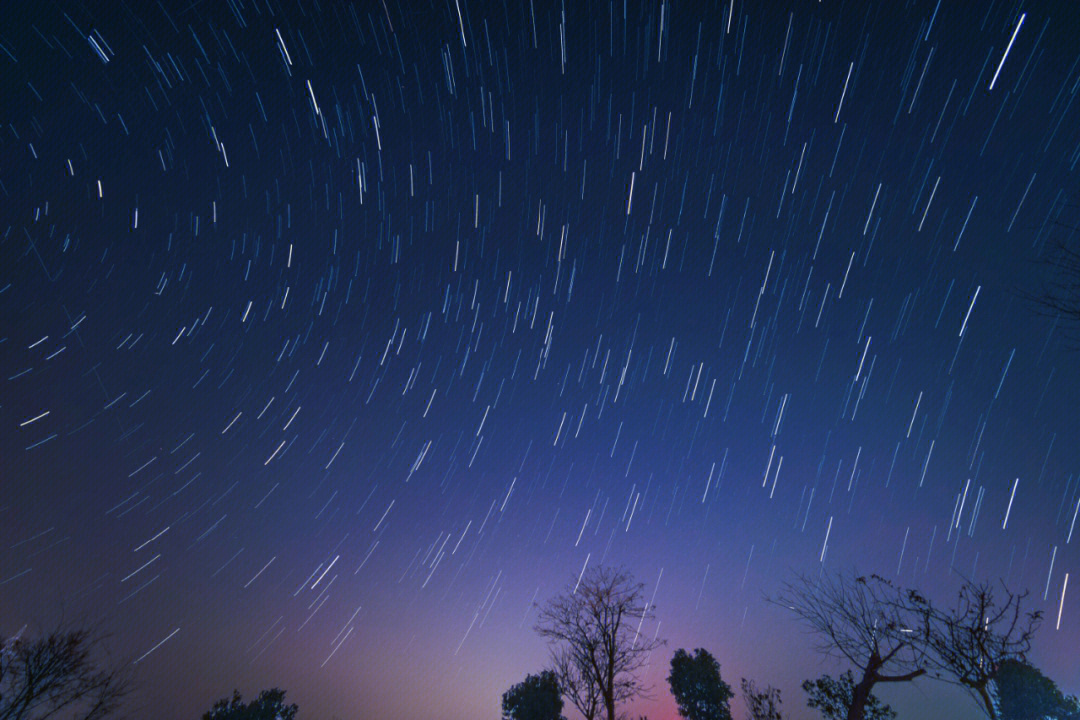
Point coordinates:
[[335, 336]]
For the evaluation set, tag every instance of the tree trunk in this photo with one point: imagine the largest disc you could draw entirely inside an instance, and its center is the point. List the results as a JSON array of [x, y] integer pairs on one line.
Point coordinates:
[[987, 701], [860, 694], [609, 704]]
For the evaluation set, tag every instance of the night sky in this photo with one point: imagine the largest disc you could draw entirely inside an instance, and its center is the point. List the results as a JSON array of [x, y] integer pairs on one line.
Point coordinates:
[[335, 336]]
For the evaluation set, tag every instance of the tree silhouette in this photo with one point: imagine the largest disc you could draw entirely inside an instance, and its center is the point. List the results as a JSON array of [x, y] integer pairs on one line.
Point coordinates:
[[581, 688], [970, 641], [698, 689], [594, 630], [1022, 692], [270, 705], [537, 697], [864, 620], [894, 635], [834, 698], [1059, 295], [60, 673], [761, 704]]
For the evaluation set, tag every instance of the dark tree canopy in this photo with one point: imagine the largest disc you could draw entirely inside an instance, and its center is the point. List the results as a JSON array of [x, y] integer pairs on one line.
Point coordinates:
[[1022, 692], [598, 636], [61, 674], [761, 704], [698, 689], [270, 705], [833, 697], [537, 697]]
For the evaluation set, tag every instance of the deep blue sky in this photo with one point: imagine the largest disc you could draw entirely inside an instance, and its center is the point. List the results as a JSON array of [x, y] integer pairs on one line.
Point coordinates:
[[361, 328]]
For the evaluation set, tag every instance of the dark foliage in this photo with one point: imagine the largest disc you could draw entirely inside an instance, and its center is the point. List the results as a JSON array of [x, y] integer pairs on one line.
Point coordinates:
[[698, 689], [1022, 692], [537, 697], [761, 704], [833, 698], [270, 705]]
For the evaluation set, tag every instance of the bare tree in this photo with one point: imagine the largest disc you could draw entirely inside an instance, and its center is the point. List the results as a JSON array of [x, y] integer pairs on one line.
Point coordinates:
[[864, 620], [580, 688], [61, 672], [969, 641], [894, 635], [1057, 294], [595, 632], [1060, 256]]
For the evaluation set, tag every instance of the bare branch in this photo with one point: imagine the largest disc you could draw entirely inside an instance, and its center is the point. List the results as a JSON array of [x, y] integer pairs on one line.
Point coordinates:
[[970, 640], [60, 673], [594, 633]]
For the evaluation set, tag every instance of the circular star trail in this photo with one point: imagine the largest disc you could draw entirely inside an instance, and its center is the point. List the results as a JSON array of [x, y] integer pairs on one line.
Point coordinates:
[[335, 336]]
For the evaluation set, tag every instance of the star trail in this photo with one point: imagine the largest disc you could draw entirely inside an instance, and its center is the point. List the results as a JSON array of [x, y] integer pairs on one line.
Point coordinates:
[[335, 336]]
